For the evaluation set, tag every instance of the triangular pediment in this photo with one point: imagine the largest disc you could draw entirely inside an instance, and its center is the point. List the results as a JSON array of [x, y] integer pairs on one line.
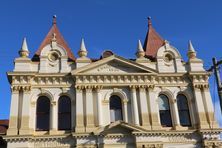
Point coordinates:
[[119, 127], [113, 65]]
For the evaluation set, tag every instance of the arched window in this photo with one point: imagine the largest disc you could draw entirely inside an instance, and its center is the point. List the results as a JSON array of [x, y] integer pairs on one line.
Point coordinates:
[[115, 108], [164, 111], [183, 110], [64, 113], [43, 113]]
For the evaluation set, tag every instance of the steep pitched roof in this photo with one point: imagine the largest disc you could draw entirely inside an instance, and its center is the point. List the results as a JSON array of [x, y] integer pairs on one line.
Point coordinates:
[[60, 41], [152, 42]]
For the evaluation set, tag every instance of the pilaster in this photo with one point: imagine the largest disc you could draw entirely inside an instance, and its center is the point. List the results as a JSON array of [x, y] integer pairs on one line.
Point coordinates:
[[209, 107], [200, 108], [13, 120], [134, 104], [154, 110], [90, 124], [145, 120], [26, 109], [79, 111], [99, 107]]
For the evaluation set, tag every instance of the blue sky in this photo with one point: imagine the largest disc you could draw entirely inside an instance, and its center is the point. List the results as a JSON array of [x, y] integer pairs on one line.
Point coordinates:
[[108, 24]]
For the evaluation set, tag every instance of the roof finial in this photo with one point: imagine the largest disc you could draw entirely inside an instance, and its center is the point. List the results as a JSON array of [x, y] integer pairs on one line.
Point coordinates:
[[82, 51], [140, 52], [24, 52], [191, 51], [190, 46], [54, 19], [149, 21]]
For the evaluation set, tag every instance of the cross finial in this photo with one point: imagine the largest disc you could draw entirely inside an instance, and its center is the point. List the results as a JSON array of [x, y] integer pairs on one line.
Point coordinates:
[[54, 19]]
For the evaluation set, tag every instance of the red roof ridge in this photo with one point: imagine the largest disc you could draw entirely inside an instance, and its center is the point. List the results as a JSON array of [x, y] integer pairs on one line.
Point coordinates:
[[153, 41], [59, 38]]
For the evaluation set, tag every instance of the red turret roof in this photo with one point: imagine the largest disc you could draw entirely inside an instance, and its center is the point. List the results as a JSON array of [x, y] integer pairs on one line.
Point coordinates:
[[152, 42], [60, 41]]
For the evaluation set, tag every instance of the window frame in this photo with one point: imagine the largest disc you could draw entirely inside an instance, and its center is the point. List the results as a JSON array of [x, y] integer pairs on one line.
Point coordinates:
[[167, 111], [62, 113], [40, 114], [184, 110], [116, 108]]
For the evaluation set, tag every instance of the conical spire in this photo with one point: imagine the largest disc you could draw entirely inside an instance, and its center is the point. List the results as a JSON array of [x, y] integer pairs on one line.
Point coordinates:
[[24, 45], [82, 51], [140, 48], [190, 46], [54, 35], [82, 46], [191, 51], [140, 52], [153, 41], [24, 52]]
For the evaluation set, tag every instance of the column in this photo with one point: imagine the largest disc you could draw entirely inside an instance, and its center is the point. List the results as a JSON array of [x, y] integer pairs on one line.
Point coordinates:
[[200, 108], [25, 117], [154, 111], [176, 114], [53, 118], [209, 108], [144, 108], [134, 106], [13, 121], [125, 111], [90, 125], [99, 107], [79, 111]]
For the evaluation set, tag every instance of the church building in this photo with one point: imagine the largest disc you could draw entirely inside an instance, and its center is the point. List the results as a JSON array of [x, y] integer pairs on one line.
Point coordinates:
[[157, 100]]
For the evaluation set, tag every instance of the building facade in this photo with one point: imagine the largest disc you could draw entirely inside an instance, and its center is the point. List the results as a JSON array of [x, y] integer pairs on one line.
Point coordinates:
[[153, 101]]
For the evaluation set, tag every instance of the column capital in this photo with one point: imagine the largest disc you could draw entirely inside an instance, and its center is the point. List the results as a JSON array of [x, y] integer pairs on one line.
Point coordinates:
[[53, 103], [142, 89], [98, 88], [26, 89], [15, 89], [79, 89], [133, 87]]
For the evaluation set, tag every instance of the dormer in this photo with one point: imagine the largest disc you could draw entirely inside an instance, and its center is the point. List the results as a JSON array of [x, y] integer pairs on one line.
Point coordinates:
[[169, 59], [54, 53]]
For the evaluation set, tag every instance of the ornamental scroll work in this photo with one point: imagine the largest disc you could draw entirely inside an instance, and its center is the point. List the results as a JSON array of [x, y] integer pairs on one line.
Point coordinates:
[[111, 68], [107, 68]]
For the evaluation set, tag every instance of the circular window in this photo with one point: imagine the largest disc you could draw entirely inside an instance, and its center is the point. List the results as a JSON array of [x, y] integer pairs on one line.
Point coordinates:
[[168, 57], [53, 56]]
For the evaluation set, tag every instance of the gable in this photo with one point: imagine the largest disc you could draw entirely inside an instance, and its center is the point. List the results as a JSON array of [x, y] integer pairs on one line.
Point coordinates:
[[113, 65], [119, 127]]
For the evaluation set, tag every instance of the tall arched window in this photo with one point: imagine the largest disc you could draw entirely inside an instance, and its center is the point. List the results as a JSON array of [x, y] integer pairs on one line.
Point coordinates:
[[164, 111], [115, 108], [183, 110], [64, 113], [43, 113]]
